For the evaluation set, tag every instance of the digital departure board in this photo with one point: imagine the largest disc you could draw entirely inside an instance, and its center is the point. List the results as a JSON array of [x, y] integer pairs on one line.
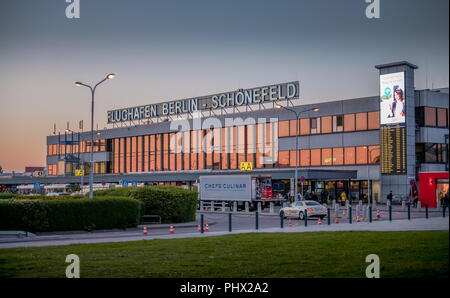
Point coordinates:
[[393, 149]]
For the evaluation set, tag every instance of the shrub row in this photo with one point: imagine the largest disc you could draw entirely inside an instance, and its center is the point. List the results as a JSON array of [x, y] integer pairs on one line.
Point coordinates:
[[39, 215], [7, 195], [173, 204]]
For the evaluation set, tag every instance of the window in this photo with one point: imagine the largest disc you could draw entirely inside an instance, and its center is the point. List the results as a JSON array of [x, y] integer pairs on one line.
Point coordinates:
[[338, 123], [430, 152], [292, 127], [430, 116], [338, 156], [315, 157], [442, 117], [349, 155], [374, 154], [361, 155], [361, 121], [349, 122], [283, 128], [283, 158], [304, 126], [326, 124], [315, 125], [373, 119], [304, 158], [292, 158], [327, 157]]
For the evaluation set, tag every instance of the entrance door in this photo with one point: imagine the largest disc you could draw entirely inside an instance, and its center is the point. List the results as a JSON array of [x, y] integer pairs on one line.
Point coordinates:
[[441, 190]]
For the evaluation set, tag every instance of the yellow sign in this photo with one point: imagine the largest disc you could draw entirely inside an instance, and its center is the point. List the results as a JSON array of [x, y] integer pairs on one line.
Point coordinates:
[[246, 166], [38, 173], [79, 172]]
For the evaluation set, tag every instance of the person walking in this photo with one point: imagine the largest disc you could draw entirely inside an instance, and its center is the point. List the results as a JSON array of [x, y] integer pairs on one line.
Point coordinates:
[[389, 197], [416, 200]]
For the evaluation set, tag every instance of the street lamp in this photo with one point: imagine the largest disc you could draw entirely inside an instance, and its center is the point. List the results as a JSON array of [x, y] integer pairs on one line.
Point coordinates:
[[91, 170], [297, 116]]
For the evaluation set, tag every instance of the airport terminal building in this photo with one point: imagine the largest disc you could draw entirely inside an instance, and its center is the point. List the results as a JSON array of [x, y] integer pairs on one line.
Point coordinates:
[[360, 146]]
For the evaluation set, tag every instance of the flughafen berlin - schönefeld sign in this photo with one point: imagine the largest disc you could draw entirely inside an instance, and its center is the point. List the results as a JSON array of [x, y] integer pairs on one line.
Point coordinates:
[[241, 97]]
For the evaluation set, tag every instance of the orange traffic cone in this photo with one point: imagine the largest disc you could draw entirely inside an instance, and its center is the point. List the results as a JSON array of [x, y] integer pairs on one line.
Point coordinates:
[[319, 222], [198, 227], [171, 229], [357, 219], [206, 227], [145, 231], [378, 214], [337, 220], [290, 223]]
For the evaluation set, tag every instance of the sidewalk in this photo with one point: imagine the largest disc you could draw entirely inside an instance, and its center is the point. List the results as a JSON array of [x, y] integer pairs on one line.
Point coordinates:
[[431, 224]]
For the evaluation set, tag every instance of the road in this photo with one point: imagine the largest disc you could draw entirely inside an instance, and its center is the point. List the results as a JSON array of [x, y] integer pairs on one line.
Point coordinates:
[[218, 223]]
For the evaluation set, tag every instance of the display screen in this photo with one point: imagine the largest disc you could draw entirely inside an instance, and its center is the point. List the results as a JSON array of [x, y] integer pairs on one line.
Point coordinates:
[[392, 98], [393, 149]]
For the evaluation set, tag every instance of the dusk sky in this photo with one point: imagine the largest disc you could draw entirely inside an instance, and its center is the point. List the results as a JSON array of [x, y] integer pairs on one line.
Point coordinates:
[[167, 50]]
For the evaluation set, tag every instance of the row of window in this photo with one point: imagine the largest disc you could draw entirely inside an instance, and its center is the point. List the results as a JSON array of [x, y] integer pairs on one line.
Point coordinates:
[[360, 155], [62, 168], [429, 116], [76, 147], [330, 124], [218, 148], [433, 153]]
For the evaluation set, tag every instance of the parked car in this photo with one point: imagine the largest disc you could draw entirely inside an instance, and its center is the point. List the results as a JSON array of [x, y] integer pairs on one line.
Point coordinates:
[[297, 210]]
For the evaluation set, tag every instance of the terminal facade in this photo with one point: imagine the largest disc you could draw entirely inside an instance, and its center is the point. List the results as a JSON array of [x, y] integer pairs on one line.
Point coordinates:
[[366, 145]]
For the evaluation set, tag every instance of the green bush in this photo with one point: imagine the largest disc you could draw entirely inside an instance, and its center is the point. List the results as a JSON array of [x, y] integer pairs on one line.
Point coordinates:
[[43, 215], [173, 204], [7, 195]]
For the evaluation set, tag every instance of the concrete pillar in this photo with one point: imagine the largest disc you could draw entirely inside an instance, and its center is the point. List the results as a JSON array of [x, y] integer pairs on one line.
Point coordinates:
[[212, 206], [271, 208], [259, 207], [201, 206], [246, 207], [223, 206], [336, 210], [333, 203], [235, 206]]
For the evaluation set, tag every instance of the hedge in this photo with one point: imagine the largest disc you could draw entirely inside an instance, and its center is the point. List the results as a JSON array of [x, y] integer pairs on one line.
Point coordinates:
[[7, 195], [173, 204], [38, 215]]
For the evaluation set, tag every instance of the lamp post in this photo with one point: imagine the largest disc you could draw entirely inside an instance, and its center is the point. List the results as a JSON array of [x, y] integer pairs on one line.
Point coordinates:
[[91, 168], [297, 116]]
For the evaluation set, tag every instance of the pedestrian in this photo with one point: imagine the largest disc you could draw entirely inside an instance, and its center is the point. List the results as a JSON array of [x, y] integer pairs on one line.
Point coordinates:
[[416, 200], [343, 198], [389, 197]]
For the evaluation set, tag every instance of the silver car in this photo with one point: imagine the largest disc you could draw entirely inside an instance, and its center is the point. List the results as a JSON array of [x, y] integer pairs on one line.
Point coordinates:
[[297, 210]]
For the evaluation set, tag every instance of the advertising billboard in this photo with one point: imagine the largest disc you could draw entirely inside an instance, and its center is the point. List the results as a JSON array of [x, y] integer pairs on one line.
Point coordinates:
[[392, 98]]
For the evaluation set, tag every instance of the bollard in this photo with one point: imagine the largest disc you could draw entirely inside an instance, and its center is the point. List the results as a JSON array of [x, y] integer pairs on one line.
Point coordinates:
[[403, 205], [281, 219], [370, 213], [329, 216], [349, 214], [223, 206], [306, 217], [246, 207], [229, 222], [256, 217], [201, 206], [426, 211], [390, 212], [202, 221], [235, 206], [259, 206], [271, 208], [409, 211]]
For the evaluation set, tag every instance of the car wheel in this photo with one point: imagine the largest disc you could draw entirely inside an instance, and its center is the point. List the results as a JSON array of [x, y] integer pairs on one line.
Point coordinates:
[[301, 215]]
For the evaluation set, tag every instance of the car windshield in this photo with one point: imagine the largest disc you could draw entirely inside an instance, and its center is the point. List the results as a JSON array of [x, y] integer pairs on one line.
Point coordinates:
[[312, 203]]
